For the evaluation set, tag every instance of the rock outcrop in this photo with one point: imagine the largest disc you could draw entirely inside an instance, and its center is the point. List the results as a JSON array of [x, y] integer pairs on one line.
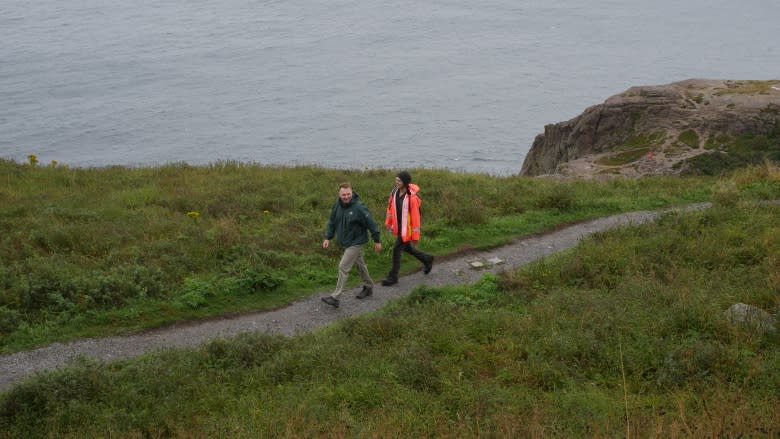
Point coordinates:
[[650, 130]]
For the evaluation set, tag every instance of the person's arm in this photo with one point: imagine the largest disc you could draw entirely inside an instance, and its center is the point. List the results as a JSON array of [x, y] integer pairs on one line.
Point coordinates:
[[374, 229], [389, 214], [330, 228]]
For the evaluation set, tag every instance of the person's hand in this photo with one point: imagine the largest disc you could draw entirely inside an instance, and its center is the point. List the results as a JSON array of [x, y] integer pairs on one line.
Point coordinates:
[[377, 247], [326, 244]]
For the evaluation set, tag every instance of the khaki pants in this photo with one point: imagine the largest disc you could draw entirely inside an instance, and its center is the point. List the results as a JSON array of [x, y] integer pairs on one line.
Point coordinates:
[[352, 255]]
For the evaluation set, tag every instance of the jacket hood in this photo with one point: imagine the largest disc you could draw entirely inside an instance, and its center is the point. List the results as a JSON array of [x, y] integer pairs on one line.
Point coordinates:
[[413, 189]]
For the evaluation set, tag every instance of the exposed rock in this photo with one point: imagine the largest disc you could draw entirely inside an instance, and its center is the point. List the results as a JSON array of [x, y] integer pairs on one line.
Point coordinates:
[[646, 130], [751, 316], [496, 261], [486, 263]]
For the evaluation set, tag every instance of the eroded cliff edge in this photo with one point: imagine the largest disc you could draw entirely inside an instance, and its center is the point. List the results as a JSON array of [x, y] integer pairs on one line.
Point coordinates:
[[655, 130]]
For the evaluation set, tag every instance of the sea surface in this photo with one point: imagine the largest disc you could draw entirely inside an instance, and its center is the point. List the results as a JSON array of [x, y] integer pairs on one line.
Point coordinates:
[[464, 85]]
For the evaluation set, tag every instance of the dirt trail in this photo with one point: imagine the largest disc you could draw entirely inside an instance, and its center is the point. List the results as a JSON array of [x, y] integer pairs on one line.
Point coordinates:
[[310, 313]]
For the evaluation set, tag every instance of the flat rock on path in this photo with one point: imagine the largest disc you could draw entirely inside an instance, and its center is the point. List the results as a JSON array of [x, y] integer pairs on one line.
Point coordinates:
[[311, 313]]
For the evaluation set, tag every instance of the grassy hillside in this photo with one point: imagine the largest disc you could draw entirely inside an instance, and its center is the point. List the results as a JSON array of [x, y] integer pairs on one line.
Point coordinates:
[[100, 251], [623, 336]]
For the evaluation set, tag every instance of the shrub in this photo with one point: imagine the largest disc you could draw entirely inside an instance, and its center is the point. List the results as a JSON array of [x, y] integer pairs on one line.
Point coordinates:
[[749, 150], [244, 350], [690, 138], [26, 404], [45, 284], [253, 280], [123, 283], [53, 284], [456, 212], [195, 293], [9, 320], [556, 197], [718, 141]]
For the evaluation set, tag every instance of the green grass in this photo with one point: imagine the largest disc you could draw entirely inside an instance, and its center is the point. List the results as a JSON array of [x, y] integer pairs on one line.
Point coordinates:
[[622, 336], [747, 87], [727, 153], [690, 138], [644, 140], [718, 141], [633, 148], [98, 251]]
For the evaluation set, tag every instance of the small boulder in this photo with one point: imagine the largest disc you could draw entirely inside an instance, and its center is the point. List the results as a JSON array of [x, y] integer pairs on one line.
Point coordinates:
[[748, 315]]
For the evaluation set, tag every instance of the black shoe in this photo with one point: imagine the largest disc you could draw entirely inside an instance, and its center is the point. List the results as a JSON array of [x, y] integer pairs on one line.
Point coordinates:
[[428, 265], [331, 301], [389, 281], [367, 291]]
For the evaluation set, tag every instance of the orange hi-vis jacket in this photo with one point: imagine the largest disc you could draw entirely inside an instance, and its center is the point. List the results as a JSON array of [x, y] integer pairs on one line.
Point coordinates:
[[410, 214]]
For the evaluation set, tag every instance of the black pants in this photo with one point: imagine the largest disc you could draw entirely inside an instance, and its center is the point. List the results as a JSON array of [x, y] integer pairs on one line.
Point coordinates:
[[408, 247]]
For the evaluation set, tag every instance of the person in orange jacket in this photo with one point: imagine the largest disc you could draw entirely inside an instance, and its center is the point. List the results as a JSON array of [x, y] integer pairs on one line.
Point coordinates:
[[403, 220]]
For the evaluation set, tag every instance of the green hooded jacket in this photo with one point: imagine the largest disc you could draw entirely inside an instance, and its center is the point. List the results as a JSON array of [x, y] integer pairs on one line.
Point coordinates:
[[351, 223]]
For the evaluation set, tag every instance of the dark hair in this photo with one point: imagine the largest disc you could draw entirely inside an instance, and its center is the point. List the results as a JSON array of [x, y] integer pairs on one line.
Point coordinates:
[[405, 177]]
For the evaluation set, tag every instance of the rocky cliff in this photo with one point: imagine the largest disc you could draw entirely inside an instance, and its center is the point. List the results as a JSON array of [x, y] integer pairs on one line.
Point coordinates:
[[653, 129]]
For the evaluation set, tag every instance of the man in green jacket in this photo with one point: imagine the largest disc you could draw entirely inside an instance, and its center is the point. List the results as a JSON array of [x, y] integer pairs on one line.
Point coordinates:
[[350, 221]]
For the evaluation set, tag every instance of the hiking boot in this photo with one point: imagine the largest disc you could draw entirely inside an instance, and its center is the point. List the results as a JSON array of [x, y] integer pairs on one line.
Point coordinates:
[[428, 265], [331, 301], [367, 291], [389, 281]]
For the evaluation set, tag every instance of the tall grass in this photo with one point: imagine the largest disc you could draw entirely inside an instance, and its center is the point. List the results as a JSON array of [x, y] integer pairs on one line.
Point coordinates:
[[623, 336], [98, 251]]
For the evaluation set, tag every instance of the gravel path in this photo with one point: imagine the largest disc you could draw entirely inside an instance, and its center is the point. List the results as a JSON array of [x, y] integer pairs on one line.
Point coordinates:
[[310, 313]]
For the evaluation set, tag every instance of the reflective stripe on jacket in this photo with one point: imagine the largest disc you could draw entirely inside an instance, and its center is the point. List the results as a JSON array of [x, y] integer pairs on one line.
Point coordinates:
[[410, 214]]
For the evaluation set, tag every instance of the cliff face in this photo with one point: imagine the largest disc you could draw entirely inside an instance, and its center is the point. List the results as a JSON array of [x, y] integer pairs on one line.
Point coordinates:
[[648, 129]]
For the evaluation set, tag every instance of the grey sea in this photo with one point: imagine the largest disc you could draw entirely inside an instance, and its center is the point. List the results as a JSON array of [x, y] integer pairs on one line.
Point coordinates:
[[464, 85]]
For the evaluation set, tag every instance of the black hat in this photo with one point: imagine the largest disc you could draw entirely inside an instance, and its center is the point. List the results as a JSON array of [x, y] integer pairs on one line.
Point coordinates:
[[405, 177]]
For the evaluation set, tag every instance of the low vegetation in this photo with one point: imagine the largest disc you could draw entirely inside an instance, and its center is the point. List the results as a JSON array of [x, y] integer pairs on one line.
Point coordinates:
[[644, 140], [623, 336], [689, 138], [726, 153], [99, 251], [623, 158], [747, 87], [722, 153]]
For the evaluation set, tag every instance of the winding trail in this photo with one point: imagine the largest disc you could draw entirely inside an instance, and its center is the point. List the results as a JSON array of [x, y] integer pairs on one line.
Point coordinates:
[[311, 313]]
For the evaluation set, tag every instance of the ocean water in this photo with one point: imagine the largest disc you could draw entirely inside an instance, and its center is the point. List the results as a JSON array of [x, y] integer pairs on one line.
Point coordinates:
[[457, 84]]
